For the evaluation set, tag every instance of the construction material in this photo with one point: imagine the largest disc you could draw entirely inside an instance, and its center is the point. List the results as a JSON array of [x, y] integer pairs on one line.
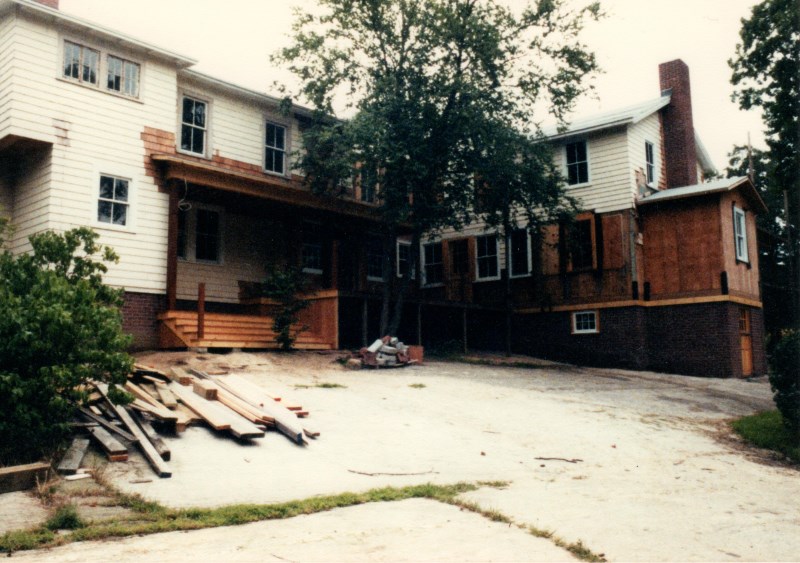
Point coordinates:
[[385, 352], [115, 450], [159, 465], [162, 449], [73, 457], [166, 397], [204, 389], [23, 477], [107, 425]]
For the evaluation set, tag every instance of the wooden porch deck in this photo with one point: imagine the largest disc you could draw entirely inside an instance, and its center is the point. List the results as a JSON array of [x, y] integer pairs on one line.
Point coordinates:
[[179, 329]]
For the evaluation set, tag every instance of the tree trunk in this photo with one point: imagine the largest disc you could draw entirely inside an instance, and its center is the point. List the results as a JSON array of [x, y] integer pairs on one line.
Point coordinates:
[[405, 284], [386, 271]]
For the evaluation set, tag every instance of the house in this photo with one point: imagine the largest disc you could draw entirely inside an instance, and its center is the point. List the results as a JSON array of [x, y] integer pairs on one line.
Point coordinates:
[[189, 178]]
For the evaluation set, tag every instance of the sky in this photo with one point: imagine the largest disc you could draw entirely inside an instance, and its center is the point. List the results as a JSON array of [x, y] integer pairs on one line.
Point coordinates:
[[233, 39]]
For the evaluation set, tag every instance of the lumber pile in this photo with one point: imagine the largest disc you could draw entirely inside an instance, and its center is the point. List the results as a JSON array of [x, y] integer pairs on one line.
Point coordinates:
[[388, 351], [167, 403]]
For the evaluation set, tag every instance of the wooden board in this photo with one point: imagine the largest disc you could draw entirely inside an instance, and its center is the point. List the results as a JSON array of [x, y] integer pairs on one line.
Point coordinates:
[[72, 459], [159, 465], [161, 447], [22, 477], [113, 447], [181, 376], [207, 410], [107, 425], [166, 396], [205, 389]]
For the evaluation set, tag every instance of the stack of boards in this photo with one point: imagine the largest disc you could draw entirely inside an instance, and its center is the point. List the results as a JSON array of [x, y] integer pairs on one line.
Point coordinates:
[[229, 404]]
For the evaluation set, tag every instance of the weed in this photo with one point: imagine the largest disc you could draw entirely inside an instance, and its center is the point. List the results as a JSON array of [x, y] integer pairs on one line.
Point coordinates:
[[767, 430], [417, 386], [65, 517], [322, 385]]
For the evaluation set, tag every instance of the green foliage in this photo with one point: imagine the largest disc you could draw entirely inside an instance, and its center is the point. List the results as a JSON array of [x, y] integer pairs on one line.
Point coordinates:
[[767, 430], [439, 90], [285, 285], [66, 517], [784, 377], [60, 327]]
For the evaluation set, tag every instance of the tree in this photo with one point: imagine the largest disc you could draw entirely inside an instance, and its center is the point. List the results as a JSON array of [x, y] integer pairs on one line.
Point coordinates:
[[765, 75], [60, 328], [429, 82]]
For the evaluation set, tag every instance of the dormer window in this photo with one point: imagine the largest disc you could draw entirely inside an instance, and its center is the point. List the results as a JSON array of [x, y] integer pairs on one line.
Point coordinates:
[[577, 163]]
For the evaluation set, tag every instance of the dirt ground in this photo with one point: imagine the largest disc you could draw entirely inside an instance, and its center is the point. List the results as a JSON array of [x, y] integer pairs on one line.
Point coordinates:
[[638, 466]]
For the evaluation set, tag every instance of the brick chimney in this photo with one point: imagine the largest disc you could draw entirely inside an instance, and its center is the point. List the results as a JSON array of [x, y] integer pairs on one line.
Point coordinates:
[[679, 149], [49, 3]]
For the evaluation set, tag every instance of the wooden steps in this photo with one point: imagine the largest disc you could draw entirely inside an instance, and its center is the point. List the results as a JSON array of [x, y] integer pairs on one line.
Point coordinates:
[[231, 331]]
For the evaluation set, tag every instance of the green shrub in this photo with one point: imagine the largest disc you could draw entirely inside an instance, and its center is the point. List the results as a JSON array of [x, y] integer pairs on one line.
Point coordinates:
[[59, 328], [66, 517], [285, 285], [784, 377]]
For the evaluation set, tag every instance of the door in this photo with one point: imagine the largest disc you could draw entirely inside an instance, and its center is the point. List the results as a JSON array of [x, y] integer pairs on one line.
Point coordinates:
[[746, 341]]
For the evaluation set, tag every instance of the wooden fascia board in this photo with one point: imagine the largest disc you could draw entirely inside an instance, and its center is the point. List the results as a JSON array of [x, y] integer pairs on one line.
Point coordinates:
[[274, 189], [640, 303]]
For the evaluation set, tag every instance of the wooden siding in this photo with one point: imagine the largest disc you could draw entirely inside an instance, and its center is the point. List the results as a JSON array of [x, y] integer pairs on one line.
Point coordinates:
[[31, 199], [648, 129], [610, 186], [742, 277], [682, 248]]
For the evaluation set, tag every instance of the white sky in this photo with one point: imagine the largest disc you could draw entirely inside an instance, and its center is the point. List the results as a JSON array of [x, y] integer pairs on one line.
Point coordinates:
[[232, 40]]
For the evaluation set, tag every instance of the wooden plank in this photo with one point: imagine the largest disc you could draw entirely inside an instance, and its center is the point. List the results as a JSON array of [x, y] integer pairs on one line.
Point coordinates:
[[166, 396], [207, 410], [162, 413], [159, 465], [115, 450], [181, 376], [22, 477], [73, 457], [107, 425], [205, 389], [161, 447], [239, 426], [141, 394]]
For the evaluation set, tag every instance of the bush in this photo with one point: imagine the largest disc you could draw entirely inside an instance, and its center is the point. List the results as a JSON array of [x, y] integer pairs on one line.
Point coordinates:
[[285, 285], [60, 327], [784, 377]]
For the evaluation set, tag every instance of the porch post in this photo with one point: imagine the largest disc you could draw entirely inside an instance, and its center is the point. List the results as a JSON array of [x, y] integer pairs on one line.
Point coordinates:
[[172, 248]]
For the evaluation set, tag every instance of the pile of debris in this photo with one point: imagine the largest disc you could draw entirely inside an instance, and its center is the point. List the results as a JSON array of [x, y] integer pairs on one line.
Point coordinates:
[[389, 352], [229, 404]]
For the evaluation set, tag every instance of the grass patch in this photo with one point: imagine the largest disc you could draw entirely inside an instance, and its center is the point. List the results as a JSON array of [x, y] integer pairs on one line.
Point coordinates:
[[322, 385], [766, 430], [417, 386], [152, 518]]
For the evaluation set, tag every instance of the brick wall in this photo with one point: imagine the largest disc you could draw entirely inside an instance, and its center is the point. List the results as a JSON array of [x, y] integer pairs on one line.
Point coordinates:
[[139, 319], [679, 146]]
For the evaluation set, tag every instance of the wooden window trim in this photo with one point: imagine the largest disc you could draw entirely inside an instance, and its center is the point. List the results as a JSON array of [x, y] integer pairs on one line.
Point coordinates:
[[745, 257], [497, 276], [286, 144], [206, 129]]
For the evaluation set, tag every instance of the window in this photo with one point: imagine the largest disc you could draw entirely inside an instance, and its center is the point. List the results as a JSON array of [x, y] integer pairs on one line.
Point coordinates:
[[112, 207], [740, 234], [404, 259], [584, 322], [81, 63], [207, 235], [650, 166], [123, 76], [193, 126], [311, 252], [577, 163], [487, 257], [581, 245], [459, 256], [275, 154], [434, 268], [368, 182], [374, 259], [520, 253]]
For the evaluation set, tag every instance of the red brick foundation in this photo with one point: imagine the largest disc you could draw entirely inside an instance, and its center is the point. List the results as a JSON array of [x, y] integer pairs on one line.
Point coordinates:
[[140, 319]]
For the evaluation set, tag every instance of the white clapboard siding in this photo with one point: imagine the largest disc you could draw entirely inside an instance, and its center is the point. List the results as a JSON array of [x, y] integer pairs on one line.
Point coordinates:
[[647, 130]]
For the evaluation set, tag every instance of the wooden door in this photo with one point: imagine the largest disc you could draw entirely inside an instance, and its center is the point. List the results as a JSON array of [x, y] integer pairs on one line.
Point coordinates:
[[746, 341]]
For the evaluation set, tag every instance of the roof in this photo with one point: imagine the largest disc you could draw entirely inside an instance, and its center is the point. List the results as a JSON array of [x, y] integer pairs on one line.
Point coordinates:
[[610, 119], [715, 187], [68, 21]]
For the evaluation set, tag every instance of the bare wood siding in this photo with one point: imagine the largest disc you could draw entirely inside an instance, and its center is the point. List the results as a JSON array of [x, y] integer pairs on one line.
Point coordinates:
[[742, 278]]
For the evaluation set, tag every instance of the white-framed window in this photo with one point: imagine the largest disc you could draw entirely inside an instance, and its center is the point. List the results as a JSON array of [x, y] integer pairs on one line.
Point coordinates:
[[275, 148], [650, 163], [740, 234], [404, 260], [122, 76], [585, 322], [311, 251], [433, 266], [208, 235], [194, 125], [374, 256], [577, 154], [113, 202], [487, 258], [520, 253], [81, 63]]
